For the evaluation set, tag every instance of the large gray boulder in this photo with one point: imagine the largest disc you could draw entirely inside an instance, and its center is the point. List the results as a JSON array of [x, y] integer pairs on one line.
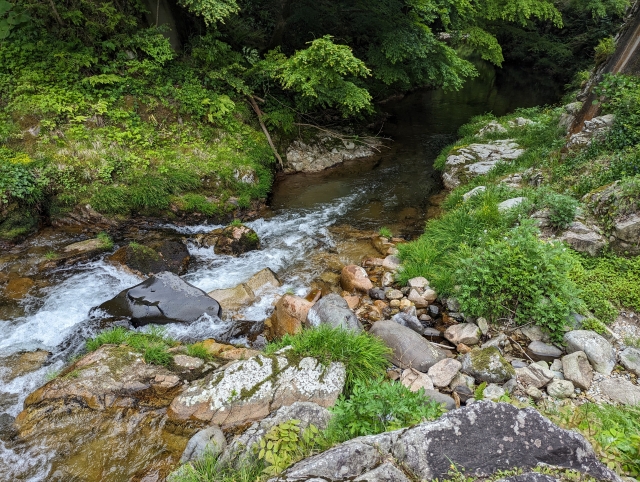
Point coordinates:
[[620, 390], [599, 351], [480, 440], [333, 310], [487, 365], [249, 390], [161, 299], [410, 350]]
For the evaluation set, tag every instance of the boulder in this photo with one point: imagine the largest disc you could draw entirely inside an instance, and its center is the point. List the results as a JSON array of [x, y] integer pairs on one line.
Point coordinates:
[[479, 440], [227, 352], [333, 310], [627, 228], [153, 257], [263, 279], [242, 449], [290, 315], [584, 239], [355, 278], [620, 390], [560, 389], [384, 473], [534, 376], [324, 151], [160, 299], [493, 127], [208, 440], [487, 365], [232, 299], [543, 350], [415, 380], [232, 240], [249, 390], [410, 350], [577, 369], [476, 159], [467, 333], [410, 321], [510, 203], [443, 372], [237, 331], [630, 359], [441, 398], [599, 351]]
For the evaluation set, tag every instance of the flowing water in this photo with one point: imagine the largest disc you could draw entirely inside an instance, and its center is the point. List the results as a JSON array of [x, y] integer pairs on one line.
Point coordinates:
[[311, 218]]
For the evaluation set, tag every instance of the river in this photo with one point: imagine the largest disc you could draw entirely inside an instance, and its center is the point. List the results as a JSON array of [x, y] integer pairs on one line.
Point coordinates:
[[310, 216]]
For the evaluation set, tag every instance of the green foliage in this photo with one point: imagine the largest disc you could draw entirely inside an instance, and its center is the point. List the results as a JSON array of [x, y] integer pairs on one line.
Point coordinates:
[[478, 393], [324, 76], [198, 350], [283, 442], [153, 344], [10, 17], [212, 10], [622, 94], [236, 223], [208, 469], [364, 356], [614, 433], [106, 242], [385, 232], [562, 208], [608, 283], [376, 406], [604, 49], [519, 278]]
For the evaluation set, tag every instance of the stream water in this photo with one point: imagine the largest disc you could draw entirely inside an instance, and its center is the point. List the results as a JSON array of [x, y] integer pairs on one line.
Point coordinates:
[[310, 218]]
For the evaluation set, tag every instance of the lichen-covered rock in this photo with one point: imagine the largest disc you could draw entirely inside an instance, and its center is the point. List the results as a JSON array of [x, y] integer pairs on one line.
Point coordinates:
[[160, 299], [479, 440], [410, 350], [477, 159], [560, 389], [487, 365], [249, 390], [242, 449], [595, 128], [323, 152], [599, 351], [620, 390], [333, 310]]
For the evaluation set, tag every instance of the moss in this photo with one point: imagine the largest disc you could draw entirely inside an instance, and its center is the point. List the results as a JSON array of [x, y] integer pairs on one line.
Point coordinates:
[[481, 360]]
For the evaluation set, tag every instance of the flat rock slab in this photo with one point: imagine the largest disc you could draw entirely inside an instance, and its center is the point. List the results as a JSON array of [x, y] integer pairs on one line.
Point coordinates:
[[161, 299], [480, 440], [249, 390], [620, 390]]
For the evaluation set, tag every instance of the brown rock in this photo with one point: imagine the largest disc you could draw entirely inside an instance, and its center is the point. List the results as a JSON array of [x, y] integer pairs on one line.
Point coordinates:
[[289, 316], [462, 348], [227, 352], [352, 301], [17, 288], [354, 278], [233, 299], [415, 380], [263, 279]]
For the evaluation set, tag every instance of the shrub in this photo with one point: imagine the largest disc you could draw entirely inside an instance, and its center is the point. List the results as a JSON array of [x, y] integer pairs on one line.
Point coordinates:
[[377, 406], [519, 279], [604, 49], [364, 356], [385, 232], [562, 209]]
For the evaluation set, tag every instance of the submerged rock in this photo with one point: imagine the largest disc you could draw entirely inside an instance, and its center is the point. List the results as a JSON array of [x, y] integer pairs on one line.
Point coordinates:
[[248, 390], [162, 298], [479, 440]]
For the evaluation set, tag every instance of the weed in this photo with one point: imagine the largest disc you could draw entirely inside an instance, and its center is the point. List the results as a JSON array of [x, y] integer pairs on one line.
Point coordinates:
[[633, 341], [208, 468], [385, 232], [478, 393], [365, 357], [376, 406], [106, 242], [51, 255], [198, 350], [52, 374], [236, 223]]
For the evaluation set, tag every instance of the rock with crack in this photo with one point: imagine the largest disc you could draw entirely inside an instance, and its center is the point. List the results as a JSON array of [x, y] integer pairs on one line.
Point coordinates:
[[248, 390], [161, 299], [242, 449], [583, 238], [480, 440], [477, 159], [595, 128]]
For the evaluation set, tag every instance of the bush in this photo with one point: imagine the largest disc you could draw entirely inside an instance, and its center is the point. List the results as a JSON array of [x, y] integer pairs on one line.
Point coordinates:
[[562, 209], [519, 279], [364, 356], [377, 406]]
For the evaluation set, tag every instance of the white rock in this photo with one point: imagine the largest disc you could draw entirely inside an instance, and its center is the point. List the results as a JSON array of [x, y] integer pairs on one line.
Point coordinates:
[[415, 380], [510, 203], [476, 190], [467, 333], [418, 282]]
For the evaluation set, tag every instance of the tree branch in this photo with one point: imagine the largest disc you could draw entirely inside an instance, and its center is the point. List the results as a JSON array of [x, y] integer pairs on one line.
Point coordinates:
[[258, 112], [56, 14]]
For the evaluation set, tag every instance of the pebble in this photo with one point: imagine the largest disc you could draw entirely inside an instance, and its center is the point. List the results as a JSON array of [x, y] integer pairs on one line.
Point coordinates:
[[394, 295]]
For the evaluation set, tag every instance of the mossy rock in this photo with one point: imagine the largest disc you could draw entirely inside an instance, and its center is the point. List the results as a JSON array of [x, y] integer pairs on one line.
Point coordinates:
[[152, 258], [487, 365], [233, 240]]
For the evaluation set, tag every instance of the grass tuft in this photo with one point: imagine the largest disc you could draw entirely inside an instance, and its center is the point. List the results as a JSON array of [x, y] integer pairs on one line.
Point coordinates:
[[154, 344]]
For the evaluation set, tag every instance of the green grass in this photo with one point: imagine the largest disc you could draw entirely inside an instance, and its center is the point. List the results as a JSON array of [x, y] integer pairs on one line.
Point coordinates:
[[105, 241], [50, 255], [198, 350], [153, 345], [365, 357], [235, 223], [385, 232], [208, 469]]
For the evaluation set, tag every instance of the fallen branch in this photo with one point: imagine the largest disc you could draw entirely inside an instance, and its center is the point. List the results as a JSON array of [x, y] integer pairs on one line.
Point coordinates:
[[258, 112], [369, 141]]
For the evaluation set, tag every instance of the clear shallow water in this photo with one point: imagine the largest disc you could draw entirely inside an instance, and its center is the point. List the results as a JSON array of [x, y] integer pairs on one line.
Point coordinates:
[[393, 189]]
